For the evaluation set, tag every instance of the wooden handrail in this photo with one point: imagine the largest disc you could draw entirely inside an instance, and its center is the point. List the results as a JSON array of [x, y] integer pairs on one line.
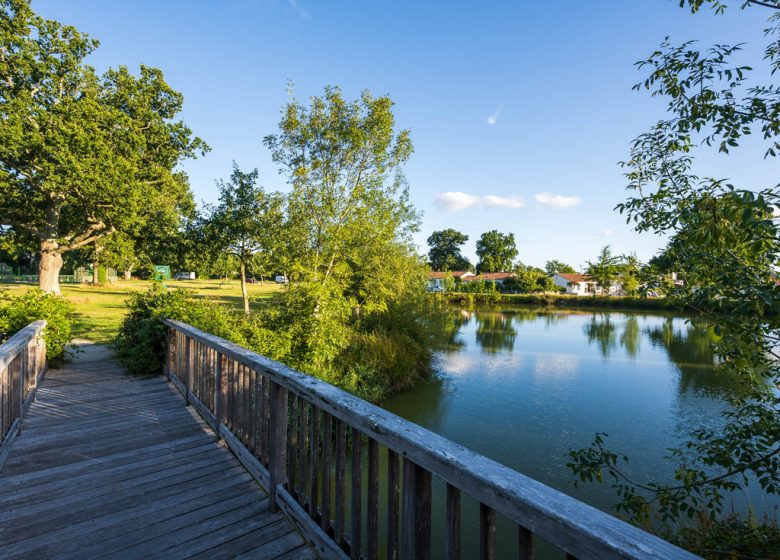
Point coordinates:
[[286, 427], [22, 365]]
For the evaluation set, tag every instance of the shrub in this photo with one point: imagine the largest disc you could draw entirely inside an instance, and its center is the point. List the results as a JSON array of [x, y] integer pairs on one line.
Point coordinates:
[[142, 338], [16, 312]]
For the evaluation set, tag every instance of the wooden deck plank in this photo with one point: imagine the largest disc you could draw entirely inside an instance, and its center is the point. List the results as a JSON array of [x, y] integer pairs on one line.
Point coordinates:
[[114, 466]]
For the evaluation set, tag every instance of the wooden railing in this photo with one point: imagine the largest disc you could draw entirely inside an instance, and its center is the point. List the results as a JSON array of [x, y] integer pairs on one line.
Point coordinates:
[[22, 364], [304, 440]]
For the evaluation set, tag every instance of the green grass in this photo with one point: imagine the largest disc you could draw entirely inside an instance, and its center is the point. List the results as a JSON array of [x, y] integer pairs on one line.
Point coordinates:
[[98, 310]]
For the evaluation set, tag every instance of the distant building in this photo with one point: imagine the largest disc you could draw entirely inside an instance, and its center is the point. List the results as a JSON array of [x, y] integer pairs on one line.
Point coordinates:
[[583, 285], [436, 278]]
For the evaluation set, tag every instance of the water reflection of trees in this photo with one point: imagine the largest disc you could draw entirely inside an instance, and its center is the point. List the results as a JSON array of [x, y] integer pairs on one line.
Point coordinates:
[[690, 349], [449, 331], [495, 332], [601, 331]]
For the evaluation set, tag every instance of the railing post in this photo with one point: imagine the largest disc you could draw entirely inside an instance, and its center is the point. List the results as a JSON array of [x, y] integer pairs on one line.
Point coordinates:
[[278, 455], [24, 362], [190, 365], [416, 530], [169, 353], [220, 389]]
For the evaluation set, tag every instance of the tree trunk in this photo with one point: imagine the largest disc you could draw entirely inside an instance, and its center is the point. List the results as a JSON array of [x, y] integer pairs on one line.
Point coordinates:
[[49, 267], [128, 274], [243, 288], [95, 274]]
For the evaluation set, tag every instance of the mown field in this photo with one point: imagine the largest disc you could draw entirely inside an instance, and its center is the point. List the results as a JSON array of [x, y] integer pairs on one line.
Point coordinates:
[[98, 310]]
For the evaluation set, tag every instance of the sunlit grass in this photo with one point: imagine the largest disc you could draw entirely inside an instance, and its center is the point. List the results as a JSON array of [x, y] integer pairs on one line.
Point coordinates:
[[98, 310]]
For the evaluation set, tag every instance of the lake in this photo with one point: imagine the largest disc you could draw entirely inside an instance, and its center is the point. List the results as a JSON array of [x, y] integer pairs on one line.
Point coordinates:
[[523, 387]]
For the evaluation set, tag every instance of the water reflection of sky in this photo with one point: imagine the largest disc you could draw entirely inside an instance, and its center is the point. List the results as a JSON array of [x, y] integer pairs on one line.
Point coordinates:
[[524, 388]]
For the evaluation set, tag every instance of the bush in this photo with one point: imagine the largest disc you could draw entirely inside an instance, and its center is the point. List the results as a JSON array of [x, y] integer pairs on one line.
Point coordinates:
[[372, 355], [733, 537], [569, 301], [142, 339], [16, 312]]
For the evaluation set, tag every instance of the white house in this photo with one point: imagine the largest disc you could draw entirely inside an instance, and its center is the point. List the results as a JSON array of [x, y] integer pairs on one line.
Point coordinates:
[[583, 285], [436, 278]]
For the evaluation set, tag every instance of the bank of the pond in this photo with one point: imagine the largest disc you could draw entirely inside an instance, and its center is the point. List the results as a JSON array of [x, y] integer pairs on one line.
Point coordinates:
[[563, 301]]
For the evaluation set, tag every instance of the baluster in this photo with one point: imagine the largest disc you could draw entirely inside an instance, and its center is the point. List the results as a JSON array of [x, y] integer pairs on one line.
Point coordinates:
[[292, 464], [453, 522], [247, 411], [327, 423], [314, 444], [303, 442], [278, 444], [190, 370], [356, 494], [526, 544], [487, 532], [393, 504], [341, 444], [416, 532], [373, 499], [218, 394]]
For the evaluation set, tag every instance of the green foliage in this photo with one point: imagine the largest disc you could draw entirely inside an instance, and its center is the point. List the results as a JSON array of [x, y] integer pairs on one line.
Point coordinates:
[[496, 251], [18, 311], [566, 301], [444, 252], [244, 223], [725, 242], [82, 155], [732, 538], [553, 267], [605, 269], [528, 280]]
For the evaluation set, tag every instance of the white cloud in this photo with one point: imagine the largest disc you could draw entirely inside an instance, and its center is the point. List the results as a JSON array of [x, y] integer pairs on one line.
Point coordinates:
[[607, 233], [776, 212], [493, 119], [511, 202], [557, 200], [454, 201]]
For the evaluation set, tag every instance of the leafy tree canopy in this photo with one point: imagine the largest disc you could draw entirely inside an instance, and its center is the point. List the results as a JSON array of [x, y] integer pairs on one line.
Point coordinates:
[[444, 252], [496, 251], [557, 267], [81, 154], [726, 240]]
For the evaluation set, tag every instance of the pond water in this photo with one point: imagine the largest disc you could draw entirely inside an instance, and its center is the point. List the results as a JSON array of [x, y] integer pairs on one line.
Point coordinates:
[[524, 387]]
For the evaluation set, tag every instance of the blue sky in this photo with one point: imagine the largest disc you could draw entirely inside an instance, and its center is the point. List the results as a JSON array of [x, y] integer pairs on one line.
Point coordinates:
[[519, 111]]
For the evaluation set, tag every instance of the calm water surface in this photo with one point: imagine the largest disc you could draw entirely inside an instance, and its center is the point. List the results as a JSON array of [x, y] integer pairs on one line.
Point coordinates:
[[524, 387]]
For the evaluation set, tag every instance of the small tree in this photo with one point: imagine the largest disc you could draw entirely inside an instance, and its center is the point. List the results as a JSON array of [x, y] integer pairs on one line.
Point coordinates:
[[243, 222], [605, 270], [496, 251]]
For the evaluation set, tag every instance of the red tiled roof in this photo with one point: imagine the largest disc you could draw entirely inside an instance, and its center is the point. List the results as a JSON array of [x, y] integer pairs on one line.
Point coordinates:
[[576, 278], [434, 275]]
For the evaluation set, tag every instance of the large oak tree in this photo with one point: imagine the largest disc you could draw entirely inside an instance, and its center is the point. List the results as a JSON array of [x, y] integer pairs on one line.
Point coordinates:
[[82, 155]]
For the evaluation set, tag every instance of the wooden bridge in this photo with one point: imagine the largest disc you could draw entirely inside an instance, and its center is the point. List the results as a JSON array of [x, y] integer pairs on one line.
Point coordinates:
[[265, 462]]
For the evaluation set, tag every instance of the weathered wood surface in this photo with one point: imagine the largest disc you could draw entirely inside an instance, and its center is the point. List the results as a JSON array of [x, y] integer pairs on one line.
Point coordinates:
[[118, 467]]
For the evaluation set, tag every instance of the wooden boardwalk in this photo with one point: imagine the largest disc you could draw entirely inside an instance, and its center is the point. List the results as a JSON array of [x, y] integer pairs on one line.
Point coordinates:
[[113, 466]]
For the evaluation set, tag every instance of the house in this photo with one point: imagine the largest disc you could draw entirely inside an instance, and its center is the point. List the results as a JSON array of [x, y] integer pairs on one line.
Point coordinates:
[[576, 284], [436, 278], [583, 285], [497, 278]]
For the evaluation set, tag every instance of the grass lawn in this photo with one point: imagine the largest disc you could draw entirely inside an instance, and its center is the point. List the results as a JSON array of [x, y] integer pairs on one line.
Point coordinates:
[[98, 310]]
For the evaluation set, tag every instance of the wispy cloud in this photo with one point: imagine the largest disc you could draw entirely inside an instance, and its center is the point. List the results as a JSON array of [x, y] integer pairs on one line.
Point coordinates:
[[454, 201], [493, 118], [776, 212], [303, 12], [557, 200], [607, 233]]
